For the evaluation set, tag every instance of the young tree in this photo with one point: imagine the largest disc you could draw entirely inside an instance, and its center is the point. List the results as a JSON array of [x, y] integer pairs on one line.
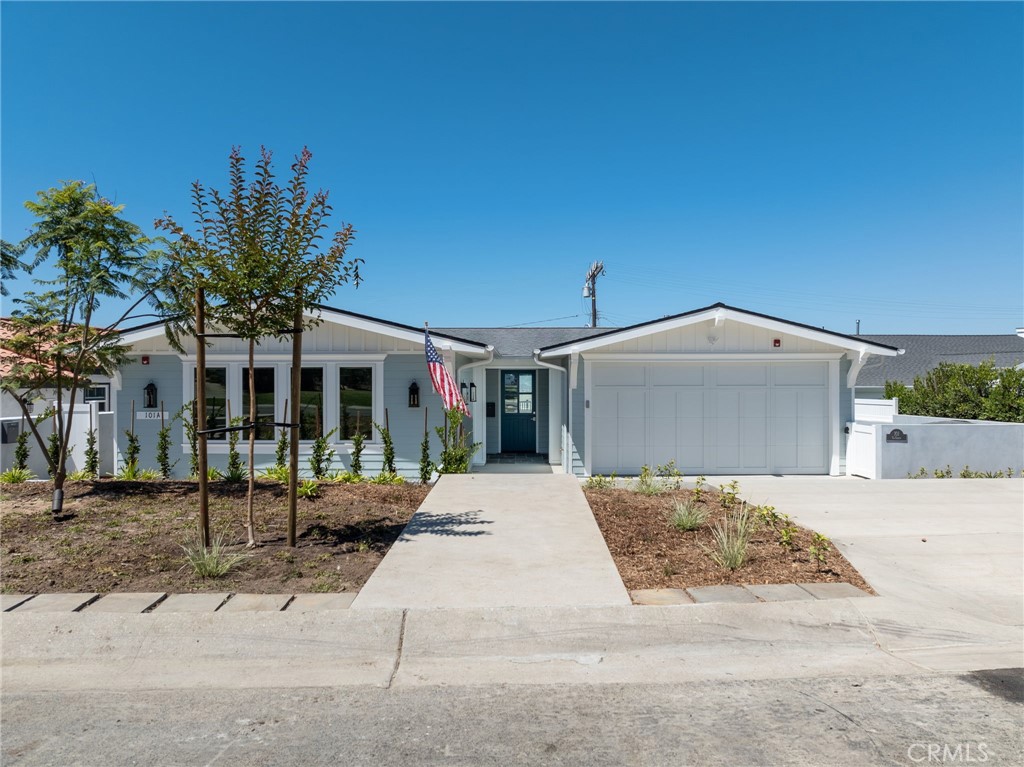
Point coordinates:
[[256, 251], [54, 346]]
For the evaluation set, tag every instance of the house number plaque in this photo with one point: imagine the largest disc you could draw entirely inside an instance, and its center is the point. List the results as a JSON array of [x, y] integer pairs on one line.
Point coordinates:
[[896, 435]]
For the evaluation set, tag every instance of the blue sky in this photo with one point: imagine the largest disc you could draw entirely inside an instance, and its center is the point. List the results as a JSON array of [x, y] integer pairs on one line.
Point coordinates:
[[819, 162]]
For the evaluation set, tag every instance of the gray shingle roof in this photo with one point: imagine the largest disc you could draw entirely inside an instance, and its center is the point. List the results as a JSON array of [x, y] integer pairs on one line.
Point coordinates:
[[520, 342], [925, 352]]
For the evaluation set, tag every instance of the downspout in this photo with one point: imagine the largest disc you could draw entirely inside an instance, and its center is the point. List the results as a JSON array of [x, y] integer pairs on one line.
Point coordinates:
[[566, 461], [479, 363]]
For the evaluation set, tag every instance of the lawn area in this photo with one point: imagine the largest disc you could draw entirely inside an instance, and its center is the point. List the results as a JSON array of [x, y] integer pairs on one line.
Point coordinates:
[[127, 536], [651, 553]]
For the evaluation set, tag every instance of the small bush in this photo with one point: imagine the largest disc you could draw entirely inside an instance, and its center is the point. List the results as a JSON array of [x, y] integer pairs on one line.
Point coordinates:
[[730, 494], [699, 486], [819, 550], [731, 539], [387, 478], [236, 471], [130, 472], [426, 465], [357, 453], [21, 450], [281, 453], [308, 488], [648, 483], [277, 473], [163, 451], [213, 561], [15, 476], [599, 482], [92, 455], [673, 477], [688, 516], [322, 455], [81, 475], [344, 477]]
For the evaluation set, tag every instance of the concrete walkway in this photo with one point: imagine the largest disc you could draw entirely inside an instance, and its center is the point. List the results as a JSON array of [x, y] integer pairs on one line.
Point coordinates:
[[502, 540]]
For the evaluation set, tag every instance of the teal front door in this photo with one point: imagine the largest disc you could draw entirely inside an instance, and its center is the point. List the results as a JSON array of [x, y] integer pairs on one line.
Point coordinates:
[[518, 411]]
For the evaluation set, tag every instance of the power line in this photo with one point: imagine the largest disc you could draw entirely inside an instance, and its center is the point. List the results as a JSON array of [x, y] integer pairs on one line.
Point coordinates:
[[538, 322]]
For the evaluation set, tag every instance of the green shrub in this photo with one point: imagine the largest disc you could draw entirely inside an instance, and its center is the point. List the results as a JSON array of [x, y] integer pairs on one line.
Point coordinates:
[[647, 483], [456, 450], [308, 488], [15, 476], [388, 448], [688, 515], [80, 475], [699, 486], [958, 390], [357, 454], [599, 482], [669, 471], [163, 451], [130, 472], [730, 494], [344, 477], [213, 561], [322, 455], [92, 455], [426, 465], [236, 470], [132, 449], [21, 450], [53, 451], [281, 453], [819, 550], [387, 478], [277, 473], [187, 415]]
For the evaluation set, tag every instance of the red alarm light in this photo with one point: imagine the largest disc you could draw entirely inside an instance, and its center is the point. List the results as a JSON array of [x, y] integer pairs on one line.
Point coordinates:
[[776, 343]]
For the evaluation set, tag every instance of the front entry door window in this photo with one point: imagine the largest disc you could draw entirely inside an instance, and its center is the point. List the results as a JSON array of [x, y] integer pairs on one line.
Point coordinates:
[[518, 411]]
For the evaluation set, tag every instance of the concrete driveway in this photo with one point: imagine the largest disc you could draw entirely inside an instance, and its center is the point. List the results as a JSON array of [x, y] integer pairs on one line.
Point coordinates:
[[944, 554]]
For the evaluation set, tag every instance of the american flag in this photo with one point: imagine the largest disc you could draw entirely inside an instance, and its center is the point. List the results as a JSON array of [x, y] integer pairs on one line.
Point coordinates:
[[443, 382]]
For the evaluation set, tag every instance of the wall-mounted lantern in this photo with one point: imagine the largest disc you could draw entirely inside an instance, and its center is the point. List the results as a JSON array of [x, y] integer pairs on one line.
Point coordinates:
[[149, 400], [472, 392], [414, 394], [465, 391]]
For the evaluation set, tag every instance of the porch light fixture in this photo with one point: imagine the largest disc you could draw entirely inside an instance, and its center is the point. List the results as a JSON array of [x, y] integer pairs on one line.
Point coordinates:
[[465, 391], [149, 400], [472, 392], [414, 394]]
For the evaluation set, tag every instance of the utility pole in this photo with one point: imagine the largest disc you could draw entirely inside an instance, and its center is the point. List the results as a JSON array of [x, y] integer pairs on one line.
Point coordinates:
[[590, 289]]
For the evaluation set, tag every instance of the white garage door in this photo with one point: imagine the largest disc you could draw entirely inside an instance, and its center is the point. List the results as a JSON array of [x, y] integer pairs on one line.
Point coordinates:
[[713, 418]]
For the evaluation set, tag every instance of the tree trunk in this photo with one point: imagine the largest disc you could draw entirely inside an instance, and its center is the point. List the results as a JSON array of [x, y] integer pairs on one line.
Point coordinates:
[[199, 413], [293, 447], [250, 519]]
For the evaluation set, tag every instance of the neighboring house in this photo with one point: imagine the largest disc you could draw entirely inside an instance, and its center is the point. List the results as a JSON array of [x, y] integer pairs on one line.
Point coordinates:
[[923, 353], [718, 390]]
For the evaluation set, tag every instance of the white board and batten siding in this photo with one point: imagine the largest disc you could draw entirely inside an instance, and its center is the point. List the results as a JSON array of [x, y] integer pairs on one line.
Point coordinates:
[[710, 417]]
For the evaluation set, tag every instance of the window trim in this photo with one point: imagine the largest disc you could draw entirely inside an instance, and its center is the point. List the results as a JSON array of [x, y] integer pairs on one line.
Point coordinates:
[[330, 363]]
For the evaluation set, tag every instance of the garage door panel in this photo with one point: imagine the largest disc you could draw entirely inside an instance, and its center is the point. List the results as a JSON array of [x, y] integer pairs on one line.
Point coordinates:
[[801, 374], [620, 375], [742, 375], [712, 418], [677, 375]]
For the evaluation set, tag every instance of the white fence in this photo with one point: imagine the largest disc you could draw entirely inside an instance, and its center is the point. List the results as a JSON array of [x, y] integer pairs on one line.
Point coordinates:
[[875, 410], [86, 417], [909, 443]]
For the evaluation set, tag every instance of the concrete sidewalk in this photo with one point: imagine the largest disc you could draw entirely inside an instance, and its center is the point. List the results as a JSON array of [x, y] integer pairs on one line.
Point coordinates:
[[512, 540]]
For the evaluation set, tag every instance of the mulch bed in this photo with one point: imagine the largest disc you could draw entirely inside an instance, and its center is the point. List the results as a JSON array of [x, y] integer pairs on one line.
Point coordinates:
[[650, 553], [127, 536]]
